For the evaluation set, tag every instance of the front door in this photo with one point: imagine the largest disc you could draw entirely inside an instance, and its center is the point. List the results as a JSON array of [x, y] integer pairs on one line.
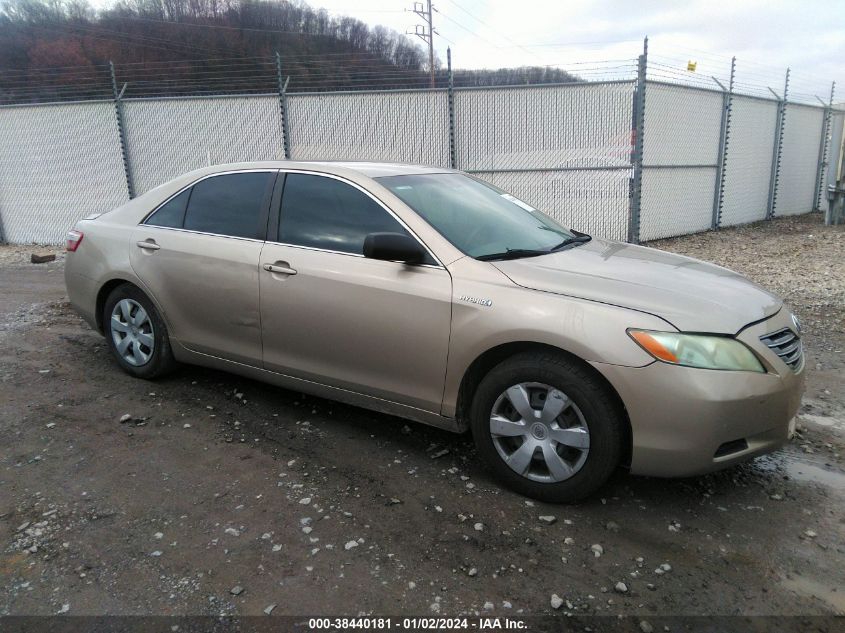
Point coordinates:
[[332, 316]]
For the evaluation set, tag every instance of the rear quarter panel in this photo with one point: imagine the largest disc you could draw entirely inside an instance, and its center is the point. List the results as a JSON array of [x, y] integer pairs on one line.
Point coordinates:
[[103, 255]]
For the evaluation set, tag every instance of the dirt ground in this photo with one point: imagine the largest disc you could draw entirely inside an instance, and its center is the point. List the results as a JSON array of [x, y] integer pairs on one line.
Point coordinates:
[[226, 496]]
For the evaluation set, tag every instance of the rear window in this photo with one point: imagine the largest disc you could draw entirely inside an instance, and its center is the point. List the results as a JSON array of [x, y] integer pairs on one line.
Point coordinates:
[[172, 213], [230, 204]]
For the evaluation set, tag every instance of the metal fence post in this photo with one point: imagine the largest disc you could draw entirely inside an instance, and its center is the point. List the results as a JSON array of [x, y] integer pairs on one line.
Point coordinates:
[[724, 136], [637, 154], [2, 227], [453, 161], [823, 146], [777, 152], [118, 112], [283, 106]]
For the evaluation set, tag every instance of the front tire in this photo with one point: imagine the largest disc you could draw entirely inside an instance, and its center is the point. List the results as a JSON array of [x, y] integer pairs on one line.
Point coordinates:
[[136, 334], [547, 427]]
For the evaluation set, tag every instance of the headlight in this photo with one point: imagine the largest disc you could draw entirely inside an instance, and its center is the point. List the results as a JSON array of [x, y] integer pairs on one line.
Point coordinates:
[[697, 350]]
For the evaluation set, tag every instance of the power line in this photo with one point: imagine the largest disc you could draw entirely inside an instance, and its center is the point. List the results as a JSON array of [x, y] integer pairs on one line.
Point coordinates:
[[580, 44], [468, 30], [502, 35]]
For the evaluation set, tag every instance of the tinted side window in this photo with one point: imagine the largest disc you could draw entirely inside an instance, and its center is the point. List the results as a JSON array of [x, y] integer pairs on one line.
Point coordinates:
[[230, 204], [172, 213], [326, 213]]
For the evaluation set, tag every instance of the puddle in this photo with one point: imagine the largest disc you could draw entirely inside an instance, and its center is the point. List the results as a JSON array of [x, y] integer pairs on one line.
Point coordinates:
[[812, 588], [802, 471]]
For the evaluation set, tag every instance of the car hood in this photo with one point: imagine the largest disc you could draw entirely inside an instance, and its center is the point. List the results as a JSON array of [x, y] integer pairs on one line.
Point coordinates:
[[692, 295]]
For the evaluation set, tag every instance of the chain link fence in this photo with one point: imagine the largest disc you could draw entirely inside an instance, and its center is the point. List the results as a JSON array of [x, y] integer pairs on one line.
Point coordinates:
[[408, 126], [802, 136], [749, 162], [834, 155], [58, 163], [565, 149], [680, 159], [708, 158], [167, 137]]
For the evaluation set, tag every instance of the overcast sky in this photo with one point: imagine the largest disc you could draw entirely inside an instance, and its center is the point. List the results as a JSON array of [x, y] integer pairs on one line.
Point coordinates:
[[765, 35]]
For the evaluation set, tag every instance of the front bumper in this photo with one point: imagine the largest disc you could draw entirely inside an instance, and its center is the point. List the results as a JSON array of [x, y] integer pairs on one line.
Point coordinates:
[[687, 421]]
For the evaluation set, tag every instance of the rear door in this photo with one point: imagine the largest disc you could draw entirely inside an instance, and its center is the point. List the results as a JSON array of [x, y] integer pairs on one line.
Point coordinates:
[[332, 316], [198, 254]]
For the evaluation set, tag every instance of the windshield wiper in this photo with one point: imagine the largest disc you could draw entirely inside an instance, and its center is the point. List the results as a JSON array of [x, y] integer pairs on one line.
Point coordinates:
[[511, 253], [581, 238], [517, 253]]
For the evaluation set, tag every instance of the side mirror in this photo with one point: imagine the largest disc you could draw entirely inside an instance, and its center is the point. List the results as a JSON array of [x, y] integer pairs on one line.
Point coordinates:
[[393, 247]]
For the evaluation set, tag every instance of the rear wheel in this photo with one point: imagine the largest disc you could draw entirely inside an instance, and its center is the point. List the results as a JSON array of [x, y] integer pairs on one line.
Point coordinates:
[[547, 427], [136, 334]]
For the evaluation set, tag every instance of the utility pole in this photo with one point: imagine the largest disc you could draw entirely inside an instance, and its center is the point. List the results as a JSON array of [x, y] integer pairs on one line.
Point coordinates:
[[426, 32]]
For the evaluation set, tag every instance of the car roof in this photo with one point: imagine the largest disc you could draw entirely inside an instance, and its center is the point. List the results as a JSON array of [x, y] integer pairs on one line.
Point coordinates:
[[369, 169], [374, 170]]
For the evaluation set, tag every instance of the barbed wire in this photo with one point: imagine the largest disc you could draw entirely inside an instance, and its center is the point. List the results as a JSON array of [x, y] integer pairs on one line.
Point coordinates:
[[356, 71], [802, 90]]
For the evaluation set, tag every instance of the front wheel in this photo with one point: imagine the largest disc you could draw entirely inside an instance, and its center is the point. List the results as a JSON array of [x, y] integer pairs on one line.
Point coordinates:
[[135, 333], [546, 427]]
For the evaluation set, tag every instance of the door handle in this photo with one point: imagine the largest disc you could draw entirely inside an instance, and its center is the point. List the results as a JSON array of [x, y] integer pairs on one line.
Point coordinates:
[[279, 269], [148, 245]]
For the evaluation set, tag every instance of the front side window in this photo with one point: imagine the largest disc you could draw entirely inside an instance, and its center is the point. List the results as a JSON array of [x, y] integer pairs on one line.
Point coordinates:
[[479, 219], [230, 204], [325, 213]]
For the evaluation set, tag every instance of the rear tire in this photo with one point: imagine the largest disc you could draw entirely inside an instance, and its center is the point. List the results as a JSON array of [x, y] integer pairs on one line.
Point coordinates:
[[566, 441], [136, 334]]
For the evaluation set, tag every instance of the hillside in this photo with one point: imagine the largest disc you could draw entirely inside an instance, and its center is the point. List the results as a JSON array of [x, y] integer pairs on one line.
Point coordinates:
[[60, 49]]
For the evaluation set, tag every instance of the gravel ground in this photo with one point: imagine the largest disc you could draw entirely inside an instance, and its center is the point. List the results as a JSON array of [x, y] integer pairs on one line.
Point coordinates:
[[220, 495], [797, 257]]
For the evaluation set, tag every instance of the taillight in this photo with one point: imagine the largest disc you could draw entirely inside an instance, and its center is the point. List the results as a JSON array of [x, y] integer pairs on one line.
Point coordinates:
[[74, 239]]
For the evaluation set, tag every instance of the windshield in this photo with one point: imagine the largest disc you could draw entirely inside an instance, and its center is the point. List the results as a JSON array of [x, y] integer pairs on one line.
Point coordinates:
[[479, 219]]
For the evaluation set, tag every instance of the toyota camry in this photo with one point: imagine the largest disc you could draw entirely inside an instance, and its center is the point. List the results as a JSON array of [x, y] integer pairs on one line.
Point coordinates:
[[431, 295]]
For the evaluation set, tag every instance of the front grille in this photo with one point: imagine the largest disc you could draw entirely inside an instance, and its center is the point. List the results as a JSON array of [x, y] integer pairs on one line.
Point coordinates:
[[786, 344]]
